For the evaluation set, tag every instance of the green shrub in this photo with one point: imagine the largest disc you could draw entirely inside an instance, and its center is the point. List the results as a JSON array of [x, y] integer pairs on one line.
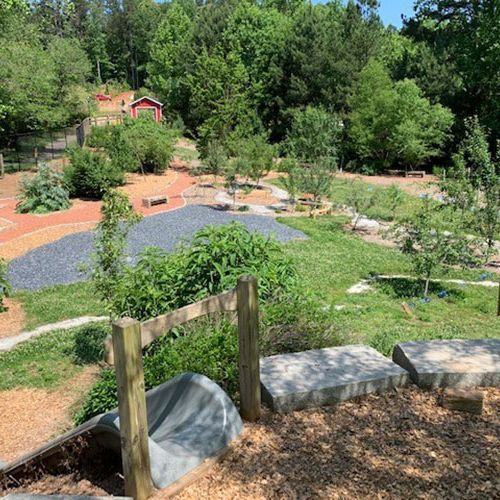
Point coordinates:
[[90, 175], [211, 264], [209, 350], [150, 143], [89, 343], [100, 137], [5, 288], [44, 192]]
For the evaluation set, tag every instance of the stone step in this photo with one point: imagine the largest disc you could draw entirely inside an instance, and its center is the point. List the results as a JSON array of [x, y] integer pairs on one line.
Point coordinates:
[[451, 363], [326, 376]]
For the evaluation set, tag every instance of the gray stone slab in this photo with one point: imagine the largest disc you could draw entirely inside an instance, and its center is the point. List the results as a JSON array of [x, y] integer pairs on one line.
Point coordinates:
[[451, 363], [326, 376]]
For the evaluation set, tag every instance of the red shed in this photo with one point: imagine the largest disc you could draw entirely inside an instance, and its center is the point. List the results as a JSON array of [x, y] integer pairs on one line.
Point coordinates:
[[145, 105]]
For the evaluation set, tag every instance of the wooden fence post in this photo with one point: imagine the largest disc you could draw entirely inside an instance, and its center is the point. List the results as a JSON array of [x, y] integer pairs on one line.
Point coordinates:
[[2, 167], [248, 333], [132, 408]]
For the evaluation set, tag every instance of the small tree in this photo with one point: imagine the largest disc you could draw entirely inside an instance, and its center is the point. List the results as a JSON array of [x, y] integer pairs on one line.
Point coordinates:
[[5, 288], [473, 184], [395, 198], [110, 242], [214, 159], [315, 179], [290, 182], [314, 135], [231, 171], [431, 245], [255, 157], [361, 198]]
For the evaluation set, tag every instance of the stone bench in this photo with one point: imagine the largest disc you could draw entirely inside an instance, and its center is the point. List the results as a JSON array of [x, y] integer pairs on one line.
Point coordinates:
[[326, 376], [451, 363], [150, 201]]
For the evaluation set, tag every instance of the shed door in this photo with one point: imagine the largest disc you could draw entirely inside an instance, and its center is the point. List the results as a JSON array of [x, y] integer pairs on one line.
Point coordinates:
[[151, 112]]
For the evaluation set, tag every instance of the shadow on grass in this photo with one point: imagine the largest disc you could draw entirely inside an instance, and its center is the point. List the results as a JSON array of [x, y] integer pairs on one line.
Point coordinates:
[[404, 288]]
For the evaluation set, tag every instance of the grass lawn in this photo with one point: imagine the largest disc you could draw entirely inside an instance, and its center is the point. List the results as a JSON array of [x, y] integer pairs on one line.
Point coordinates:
[[58, 303], [381, 210], [333, 259], [44, 362], [329, 262]]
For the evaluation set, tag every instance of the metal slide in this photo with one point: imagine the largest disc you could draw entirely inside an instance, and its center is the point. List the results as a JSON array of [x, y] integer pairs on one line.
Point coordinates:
[[190, 418]]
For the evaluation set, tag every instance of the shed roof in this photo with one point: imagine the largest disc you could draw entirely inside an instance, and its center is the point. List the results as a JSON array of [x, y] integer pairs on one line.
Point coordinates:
[[137, 101]]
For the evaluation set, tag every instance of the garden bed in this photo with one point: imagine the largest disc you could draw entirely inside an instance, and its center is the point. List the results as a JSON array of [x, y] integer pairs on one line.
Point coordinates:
[[393, 445]]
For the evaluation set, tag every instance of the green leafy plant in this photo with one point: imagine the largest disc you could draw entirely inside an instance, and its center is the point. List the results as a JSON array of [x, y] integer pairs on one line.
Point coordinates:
[[210, 264], [395, 197], [211, 350], [432, 244], [214, 158], [255, 157], [361, 198], [150, 144], [314, 135], [110, 241], [89, 343], [44, 192], [5, 288], [90, 174]]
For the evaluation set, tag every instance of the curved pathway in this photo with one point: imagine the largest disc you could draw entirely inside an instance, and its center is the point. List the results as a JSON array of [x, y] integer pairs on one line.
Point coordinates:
[[64, 260], [82, 211]]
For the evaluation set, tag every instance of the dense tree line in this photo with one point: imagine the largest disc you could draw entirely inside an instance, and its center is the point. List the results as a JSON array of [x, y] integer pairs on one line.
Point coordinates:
[[240, 68]]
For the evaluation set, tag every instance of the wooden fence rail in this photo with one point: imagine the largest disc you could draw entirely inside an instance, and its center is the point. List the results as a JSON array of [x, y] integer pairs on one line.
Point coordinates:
[[124, 350]]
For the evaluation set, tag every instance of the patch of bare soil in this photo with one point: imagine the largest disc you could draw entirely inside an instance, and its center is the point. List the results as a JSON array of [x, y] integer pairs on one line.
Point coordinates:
[[10, 184], [396, 445], [201, 194], [12, 320], [412, 185], [260, 196], [19, 246], [31, 417], [138, 185]]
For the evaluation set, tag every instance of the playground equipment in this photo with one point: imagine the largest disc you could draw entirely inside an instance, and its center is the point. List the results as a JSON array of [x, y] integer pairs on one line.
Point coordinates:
[[170, 431], [190, 418]]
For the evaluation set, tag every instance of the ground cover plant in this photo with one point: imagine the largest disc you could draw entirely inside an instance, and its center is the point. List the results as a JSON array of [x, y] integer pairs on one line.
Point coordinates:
[[58, 303], [44, 192], [50, 360]]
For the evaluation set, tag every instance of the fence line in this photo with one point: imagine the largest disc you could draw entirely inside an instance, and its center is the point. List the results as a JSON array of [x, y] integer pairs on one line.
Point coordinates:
[[125, 350]]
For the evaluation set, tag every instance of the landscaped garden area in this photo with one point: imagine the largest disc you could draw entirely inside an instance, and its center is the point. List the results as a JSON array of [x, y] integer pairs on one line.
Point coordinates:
[[268, 266]]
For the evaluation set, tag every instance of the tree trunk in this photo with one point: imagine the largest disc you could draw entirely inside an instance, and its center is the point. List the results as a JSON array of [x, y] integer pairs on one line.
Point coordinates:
[[427, 281]]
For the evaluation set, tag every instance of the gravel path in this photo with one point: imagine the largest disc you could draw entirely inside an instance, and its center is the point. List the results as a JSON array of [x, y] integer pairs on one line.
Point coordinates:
[[61, 262]]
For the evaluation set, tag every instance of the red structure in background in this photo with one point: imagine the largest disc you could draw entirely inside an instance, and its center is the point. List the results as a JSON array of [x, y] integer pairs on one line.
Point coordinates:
[[145, 105]]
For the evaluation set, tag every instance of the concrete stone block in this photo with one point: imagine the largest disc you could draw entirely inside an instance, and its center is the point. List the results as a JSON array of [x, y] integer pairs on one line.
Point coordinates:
[[325, 376], [451, 363]]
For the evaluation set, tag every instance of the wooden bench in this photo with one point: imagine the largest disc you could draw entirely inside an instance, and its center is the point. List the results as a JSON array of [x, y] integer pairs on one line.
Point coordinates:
[[415, 173], [150, 201]]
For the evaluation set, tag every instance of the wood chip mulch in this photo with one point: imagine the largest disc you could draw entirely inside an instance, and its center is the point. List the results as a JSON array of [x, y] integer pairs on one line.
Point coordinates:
[[30, 418], [397, 445], [12, 320]]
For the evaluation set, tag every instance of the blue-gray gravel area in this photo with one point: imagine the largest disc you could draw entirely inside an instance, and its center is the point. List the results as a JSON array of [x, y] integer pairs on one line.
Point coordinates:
[[67, 260]]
